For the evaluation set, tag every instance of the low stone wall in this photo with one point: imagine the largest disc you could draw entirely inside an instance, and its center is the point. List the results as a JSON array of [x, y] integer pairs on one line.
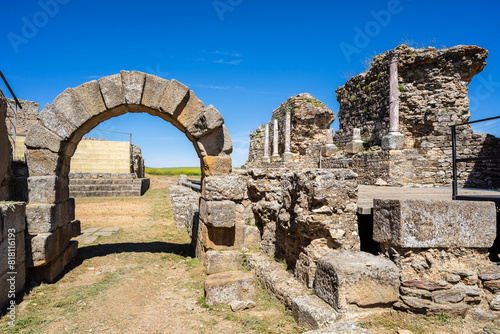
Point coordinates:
[[185, 205], [106, 185], [12, 244], [441, 250]]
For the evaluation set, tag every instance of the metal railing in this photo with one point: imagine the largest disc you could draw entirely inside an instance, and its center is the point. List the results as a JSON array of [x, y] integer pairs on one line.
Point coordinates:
[[453, 127], [13, 133]]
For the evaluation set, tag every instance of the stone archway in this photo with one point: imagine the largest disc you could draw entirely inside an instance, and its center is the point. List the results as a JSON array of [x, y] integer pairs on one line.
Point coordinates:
[[52, 141]]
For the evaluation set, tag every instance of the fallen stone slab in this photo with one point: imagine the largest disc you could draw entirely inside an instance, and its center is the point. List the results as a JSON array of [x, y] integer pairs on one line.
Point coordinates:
[[218, 261], [240, 305], [312, 312], [348, 327], [225, 287], [348, 280]]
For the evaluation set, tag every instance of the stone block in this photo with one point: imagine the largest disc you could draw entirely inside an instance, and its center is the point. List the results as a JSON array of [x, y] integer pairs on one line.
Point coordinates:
[[247, 236], [218, 213], [174, 98], [219, 262], [154, 88], [55, 121], [48, 189], [52, 270], [348, 327], [312, 312], [215, 142], [237, 305], [43, 162], [12, 216], [13, 243], [42, 248], [223, 288], [44, 218], [224, 187], [198, 119], [393, 141], [439, 224], [217, 165], [41, 137], [112, 90], [354, 146], [217, 237], [69, 105], [133, 84], [347, 278], [90, 95]]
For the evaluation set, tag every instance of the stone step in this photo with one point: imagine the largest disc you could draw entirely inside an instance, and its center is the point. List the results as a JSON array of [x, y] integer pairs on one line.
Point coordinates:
[[97, 187], [105, 193]]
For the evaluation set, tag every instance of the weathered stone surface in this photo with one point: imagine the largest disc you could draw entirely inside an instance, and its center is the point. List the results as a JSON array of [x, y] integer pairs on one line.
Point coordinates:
[[426, 285], [48, 189], [215, 142], [237, 305], [133, 84], [51, 271], [416, 293], [276, 280], [247, 236], [40, 137], [217, 237], [427, 224], [219, 262], [5, 151], [198, 119], [89, 94], [44, 247], [346, 277], [154, 88], [55, 121], [43, 162], [225, 287], [112, 90], [495, 303], [348, 327], [12, 216], [490, 273], [185, 206], [217, 165], [449, 296], [218, 213], [174, 98], [224, 187], [493, 286], [312, 312], [69, 105], [45, 218]]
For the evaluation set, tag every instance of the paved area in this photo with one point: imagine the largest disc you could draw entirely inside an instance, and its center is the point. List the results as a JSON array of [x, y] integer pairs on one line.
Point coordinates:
[[368, 193], [90, 234]]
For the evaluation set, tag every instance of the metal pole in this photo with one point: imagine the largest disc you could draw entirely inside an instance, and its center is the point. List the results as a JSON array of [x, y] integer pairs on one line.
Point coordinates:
[[454, 158], [10, 90], [14, 134]]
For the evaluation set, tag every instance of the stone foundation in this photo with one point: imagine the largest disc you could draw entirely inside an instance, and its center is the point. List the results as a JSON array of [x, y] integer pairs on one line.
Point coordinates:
[[106, 185]]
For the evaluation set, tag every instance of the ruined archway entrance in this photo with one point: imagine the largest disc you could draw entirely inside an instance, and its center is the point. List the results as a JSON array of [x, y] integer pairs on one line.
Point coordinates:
[[52, 141]]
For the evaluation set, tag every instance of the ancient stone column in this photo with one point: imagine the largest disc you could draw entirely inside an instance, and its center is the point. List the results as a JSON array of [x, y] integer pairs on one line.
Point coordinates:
[[329, 149], [394, 140], [329, 137], [356, 144], [275, 139], [266, 143], [288, 154]]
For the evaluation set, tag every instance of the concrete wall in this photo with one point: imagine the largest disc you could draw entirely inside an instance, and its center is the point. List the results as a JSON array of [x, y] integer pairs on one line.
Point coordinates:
[[96, 156]]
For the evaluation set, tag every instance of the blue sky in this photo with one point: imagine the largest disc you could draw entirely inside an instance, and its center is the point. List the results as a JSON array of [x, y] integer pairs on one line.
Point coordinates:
[[243, 56]]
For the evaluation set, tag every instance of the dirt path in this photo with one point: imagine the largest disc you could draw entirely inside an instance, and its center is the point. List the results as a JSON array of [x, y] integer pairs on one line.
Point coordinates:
[[141, 279]]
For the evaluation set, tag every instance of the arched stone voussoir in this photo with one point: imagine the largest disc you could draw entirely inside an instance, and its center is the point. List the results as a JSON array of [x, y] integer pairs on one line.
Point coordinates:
[[216, 142], [39, 137], [43, 162], [90, 95], [68, 104], [133, 86], [112, 90], [154, 89], [175, 98], [198, 119]]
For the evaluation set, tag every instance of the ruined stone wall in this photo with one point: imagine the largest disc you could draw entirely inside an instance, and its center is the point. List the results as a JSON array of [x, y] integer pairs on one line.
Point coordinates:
[[432, 95], [26, 116], [5, 151], [310, 119], [304, 214], [185, 205]]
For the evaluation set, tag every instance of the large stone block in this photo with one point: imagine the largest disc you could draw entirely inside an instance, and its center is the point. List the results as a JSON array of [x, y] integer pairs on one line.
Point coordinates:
[[52, 270], [217, 165], [43, 162], [439, 224], [348, 278], [45, 218], [348, 327], [218, 213], [55, 121], [219, 262], [247, 236], [215, 142], [69, 105], [225, 287], [312, 312], [42, 248], [48, 189], [90, 95], [217, 237], [224, 187], [174, 98], [12, 216], [112, 90], [154, 88], [41, 137], [133, 84]]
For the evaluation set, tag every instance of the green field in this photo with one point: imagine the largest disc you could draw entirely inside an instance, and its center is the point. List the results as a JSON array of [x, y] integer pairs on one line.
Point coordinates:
[[175, 171]]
